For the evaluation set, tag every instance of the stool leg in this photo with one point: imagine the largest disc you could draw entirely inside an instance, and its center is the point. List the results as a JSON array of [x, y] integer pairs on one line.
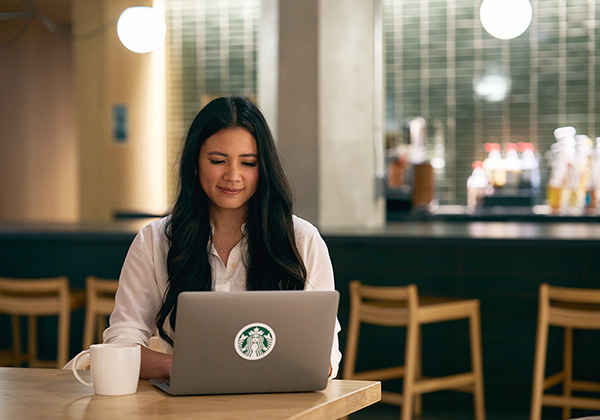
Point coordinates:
[[89, 327], [16, 333], [568, 369], [418, 410], [349, 365], [351, 348], [101, 325], [64, 320], [410, 361], [349, 361], [32, 341], [539, 362], [477, 363]]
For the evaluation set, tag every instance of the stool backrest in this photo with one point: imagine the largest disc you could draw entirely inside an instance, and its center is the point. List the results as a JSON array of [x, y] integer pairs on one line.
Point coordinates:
[[387, 306], [572, 295], [570, 307], [101, 294], [34, 296]]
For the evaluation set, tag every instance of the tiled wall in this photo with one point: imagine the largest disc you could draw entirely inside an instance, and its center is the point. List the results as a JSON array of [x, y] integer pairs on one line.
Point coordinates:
[[212, 49], [436, 50]]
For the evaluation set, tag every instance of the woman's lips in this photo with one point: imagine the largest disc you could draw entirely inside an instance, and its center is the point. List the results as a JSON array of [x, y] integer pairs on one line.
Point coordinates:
[[230, 191]]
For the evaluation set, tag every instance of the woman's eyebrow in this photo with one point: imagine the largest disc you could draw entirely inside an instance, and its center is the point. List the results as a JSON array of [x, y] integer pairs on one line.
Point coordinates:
[[216, 153]]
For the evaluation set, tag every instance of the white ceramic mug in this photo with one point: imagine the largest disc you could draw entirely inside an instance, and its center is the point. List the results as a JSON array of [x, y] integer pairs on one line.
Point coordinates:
[[115, 368]]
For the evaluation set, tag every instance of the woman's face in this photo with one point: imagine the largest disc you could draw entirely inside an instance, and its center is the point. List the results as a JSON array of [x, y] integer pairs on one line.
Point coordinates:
[[228, 168]]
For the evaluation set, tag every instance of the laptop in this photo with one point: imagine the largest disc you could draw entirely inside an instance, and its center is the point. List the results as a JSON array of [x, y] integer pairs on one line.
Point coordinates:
[[252, 342]]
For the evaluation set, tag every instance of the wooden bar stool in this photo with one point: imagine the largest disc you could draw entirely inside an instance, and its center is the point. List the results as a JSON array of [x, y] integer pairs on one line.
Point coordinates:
[[34, 298], [567, 308], [100, 304], [401, 307]]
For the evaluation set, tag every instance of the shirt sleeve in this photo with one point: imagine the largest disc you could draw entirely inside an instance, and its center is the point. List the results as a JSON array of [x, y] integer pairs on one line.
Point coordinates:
[[319, 274], [139, 295]]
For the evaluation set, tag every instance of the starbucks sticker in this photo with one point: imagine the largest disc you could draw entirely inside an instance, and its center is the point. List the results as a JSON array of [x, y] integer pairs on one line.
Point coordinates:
[[254, 341]]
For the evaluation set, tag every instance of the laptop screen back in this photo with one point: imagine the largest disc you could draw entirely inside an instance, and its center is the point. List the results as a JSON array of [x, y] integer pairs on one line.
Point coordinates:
[[253, 342]]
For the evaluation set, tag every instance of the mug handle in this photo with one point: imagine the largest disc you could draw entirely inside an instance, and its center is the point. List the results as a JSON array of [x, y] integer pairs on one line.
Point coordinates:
[[74, 368]]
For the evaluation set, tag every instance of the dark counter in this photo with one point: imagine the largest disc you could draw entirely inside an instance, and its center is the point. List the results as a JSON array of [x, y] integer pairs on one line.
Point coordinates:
[[501, 263]]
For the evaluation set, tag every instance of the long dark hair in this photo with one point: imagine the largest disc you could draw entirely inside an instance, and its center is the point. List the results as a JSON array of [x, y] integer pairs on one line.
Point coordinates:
[[273, 261]]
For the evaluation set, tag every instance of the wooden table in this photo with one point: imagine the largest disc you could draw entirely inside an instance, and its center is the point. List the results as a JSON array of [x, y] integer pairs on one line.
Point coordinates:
[[56, 394]]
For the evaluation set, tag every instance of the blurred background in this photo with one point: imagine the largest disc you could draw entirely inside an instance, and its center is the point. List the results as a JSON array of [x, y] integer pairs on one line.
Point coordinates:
[[446, 87]]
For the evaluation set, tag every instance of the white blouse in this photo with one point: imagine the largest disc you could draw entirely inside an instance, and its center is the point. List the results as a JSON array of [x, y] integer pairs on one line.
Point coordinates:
[[144, 280]]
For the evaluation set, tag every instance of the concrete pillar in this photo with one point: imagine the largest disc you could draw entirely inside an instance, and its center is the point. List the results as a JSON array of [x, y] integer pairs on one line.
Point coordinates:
[[329, 113], [268, 62], [117, 174]]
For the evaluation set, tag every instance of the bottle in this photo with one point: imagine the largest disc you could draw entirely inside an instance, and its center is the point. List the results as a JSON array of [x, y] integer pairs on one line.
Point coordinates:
[[492, 165], [554, 192], [561, 158], [529, 181], [587, 177], [590, 198], [512, 168], [477, 186], [595, 194]]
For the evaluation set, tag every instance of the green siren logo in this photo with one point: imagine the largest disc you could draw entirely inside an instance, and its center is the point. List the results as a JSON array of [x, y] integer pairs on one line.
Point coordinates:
[[254, 341]]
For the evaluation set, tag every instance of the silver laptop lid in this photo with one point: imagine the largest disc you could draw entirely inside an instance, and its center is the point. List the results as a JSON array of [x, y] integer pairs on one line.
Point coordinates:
[[253, 342]]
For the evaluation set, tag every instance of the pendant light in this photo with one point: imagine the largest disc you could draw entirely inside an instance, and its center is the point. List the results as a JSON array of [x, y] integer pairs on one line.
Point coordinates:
[[505, 19], [141, 29]]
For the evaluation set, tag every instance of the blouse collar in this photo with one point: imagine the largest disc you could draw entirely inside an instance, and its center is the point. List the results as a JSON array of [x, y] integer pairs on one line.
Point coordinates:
[[243, 228]]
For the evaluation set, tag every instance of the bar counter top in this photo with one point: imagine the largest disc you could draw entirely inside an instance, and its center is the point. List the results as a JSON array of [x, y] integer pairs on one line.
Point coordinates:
[[583, 232], [124, 229]]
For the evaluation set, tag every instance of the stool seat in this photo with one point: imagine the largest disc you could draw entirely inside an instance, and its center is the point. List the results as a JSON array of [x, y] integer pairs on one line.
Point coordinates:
[[567, 308], [402, 307], [34, 298]]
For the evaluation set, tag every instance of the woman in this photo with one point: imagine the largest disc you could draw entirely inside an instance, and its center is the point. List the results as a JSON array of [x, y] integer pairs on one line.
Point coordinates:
[[231, 228]]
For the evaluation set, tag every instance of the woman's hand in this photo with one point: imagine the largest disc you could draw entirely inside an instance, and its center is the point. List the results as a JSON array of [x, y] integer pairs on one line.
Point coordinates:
[[155, 364]]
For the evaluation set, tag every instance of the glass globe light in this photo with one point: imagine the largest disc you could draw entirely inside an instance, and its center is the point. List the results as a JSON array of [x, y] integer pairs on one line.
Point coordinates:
[[505, 19], [141, 29]]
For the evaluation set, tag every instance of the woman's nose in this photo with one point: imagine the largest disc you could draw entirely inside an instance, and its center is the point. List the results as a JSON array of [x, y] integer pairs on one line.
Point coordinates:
[[232, 173]]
